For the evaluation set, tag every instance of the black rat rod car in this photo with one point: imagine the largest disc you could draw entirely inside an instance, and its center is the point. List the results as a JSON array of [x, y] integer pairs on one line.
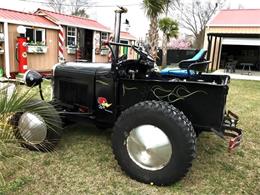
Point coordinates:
[[156, 119]]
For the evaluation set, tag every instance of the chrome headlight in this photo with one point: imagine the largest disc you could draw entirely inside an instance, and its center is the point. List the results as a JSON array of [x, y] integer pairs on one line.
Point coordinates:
[[32, 78]]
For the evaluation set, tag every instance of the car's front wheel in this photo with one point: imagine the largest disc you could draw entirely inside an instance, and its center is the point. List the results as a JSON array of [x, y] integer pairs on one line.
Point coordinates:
[[38, 127]]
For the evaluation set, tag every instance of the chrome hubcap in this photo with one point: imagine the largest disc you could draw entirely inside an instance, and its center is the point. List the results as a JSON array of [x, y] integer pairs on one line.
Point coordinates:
[[149, 147], [32, 128]]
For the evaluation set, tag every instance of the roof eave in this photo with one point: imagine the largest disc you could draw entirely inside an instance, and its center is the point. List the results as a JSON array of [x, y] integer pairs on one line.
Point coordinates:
[[29, 24], [86, 27], [128, 38], [233, 25], [44, 14]]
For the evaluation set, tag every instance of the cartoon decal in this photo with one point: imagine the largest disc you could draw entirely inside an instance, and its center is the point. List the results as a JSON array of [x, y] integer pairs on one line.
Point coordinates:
[[103, 104]]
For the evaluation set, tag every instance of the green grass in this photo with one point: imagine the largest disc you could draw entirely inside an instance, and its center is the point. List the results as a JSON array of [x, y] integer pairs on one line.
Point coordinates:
[[84, 164]]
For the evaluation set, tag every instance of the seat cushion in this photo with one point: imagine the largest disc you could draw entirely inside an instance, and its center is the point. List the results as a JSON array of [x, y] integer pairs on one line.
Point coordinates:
[[176, 72]]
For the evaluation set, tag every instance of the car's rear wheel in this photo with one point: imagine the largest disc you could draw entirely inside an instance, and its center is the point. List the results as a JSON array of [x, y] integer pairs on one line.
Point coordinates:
[[38, 127], [154, 142]]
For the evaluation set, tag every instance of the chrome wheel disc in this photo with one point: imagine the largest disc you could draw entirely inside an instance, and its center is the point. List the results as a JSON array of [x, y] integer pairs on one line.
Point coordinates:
[[32, 128], [149, 147]]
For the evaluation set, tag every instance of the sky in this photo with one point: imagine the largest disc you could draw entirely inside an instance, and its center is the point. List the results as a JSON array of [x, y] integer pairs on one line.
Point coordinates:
[[103, 11]]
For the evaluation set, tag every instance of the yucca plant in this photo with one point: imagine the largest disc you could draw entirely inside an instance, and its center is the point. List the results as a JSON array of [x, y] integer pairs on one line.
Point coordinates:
[[33, 123], [11, 102]]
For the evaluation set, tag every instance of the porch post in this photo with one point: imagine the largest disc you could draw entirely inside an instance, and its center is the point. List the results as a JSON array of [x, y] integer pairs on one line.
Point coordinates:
[[94, 47], [61, 44], [219, 52], [214, 51], [209, 49], [6, 43]]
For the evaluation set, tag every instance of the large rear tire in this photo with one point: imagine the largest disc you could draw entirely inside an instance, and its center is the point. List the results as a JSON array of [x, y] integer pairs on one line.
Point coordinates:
[[154, 143], [39, 127]]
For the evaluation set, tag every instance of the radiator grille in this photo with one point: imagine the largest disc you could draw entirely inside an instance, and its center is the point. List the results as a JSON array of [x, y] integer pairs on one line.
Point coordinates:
[[73, 93]]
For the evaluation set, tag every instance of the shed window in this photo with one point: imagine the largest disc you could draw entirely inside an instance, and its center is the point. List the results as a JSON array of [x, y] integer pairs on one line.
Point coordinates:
[[35, 36], [71, 36], [29, 34], [104, 36], [40, 35]]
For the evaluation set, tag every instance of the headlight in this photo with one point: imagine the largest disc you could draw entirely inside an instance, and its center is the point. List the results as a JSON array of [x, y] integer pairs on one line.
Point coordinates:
[[32, 78]]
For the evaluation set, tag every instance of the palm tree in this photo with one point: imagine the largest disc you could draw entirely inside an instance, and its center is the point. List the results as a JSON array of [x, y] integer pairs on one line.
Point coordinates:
[[170, 28], [153, 8]]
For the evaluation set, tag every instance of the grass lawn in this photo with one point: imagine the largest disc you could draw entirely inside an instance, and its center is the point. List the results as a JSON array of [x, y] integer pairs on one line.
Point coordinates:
[[84, 164]]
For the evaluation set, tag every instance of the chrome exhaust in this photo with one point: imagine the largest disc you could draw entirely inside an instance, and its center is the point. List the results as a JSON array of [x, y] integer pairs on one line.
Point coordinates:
[[117, 28]]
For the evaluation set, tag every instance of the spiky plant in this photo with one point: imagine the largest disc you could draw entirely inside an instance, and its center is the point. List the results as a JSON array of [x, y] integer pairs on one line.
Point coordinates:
[[11, 101], [14, 100]]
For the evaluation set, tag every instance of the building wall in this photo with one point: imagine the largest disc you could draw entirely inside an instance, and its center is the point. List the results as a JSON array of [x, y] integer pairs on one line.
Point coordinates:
[[131, 54], [39, 62], [2, 56], [101, 59], [96, 43], [235, 30], [213, 55], [68, 57], [104, 58]]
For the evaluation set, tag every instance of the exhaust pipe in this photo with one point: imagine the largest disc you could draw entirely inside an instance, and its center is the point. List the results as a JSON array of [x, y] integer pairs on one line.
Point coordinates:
[[117, 28]]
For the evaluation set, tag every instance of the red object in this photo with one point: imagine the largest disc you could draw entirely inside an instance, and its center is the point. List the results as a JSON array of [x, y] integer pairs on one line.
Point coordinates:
[[23, 18], [22, 54], [78, 54], [237, 17], [61, 43], [68, 20], [102, 100]]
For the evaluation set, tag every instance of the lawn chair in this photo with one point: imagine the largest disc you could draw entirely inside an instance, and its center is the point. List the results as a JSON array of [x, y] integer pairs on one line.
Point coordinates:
[[231, 66], [189, 67]]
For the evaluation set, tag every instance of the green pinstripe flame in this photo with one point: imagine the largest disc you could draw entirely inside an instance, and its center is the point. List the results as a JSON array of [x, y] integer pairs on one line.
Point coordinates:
[[174, 95]]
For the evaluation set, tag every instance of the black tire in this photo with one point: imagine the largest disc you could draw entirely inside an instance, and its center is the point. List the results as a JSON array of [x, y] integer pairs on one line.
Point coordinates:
[[174, 125], [49, 116]]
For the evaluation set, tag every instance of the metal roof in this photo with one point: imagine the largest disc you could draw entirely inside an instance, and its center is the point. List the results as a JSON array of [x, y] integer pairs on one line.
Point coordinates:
[[76, 21], [127, 35], [236, 18], [22, 18]]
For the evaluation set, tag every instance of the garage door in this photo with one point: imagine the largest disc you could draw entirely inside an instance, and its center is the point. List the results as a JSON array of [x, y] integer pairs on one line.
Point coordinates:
[[241, 41]]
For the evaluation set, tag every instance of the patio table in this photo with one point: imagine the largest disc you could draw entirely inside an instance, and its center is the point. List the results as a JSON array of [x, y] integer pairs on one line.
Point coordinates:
[[248, 66]]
